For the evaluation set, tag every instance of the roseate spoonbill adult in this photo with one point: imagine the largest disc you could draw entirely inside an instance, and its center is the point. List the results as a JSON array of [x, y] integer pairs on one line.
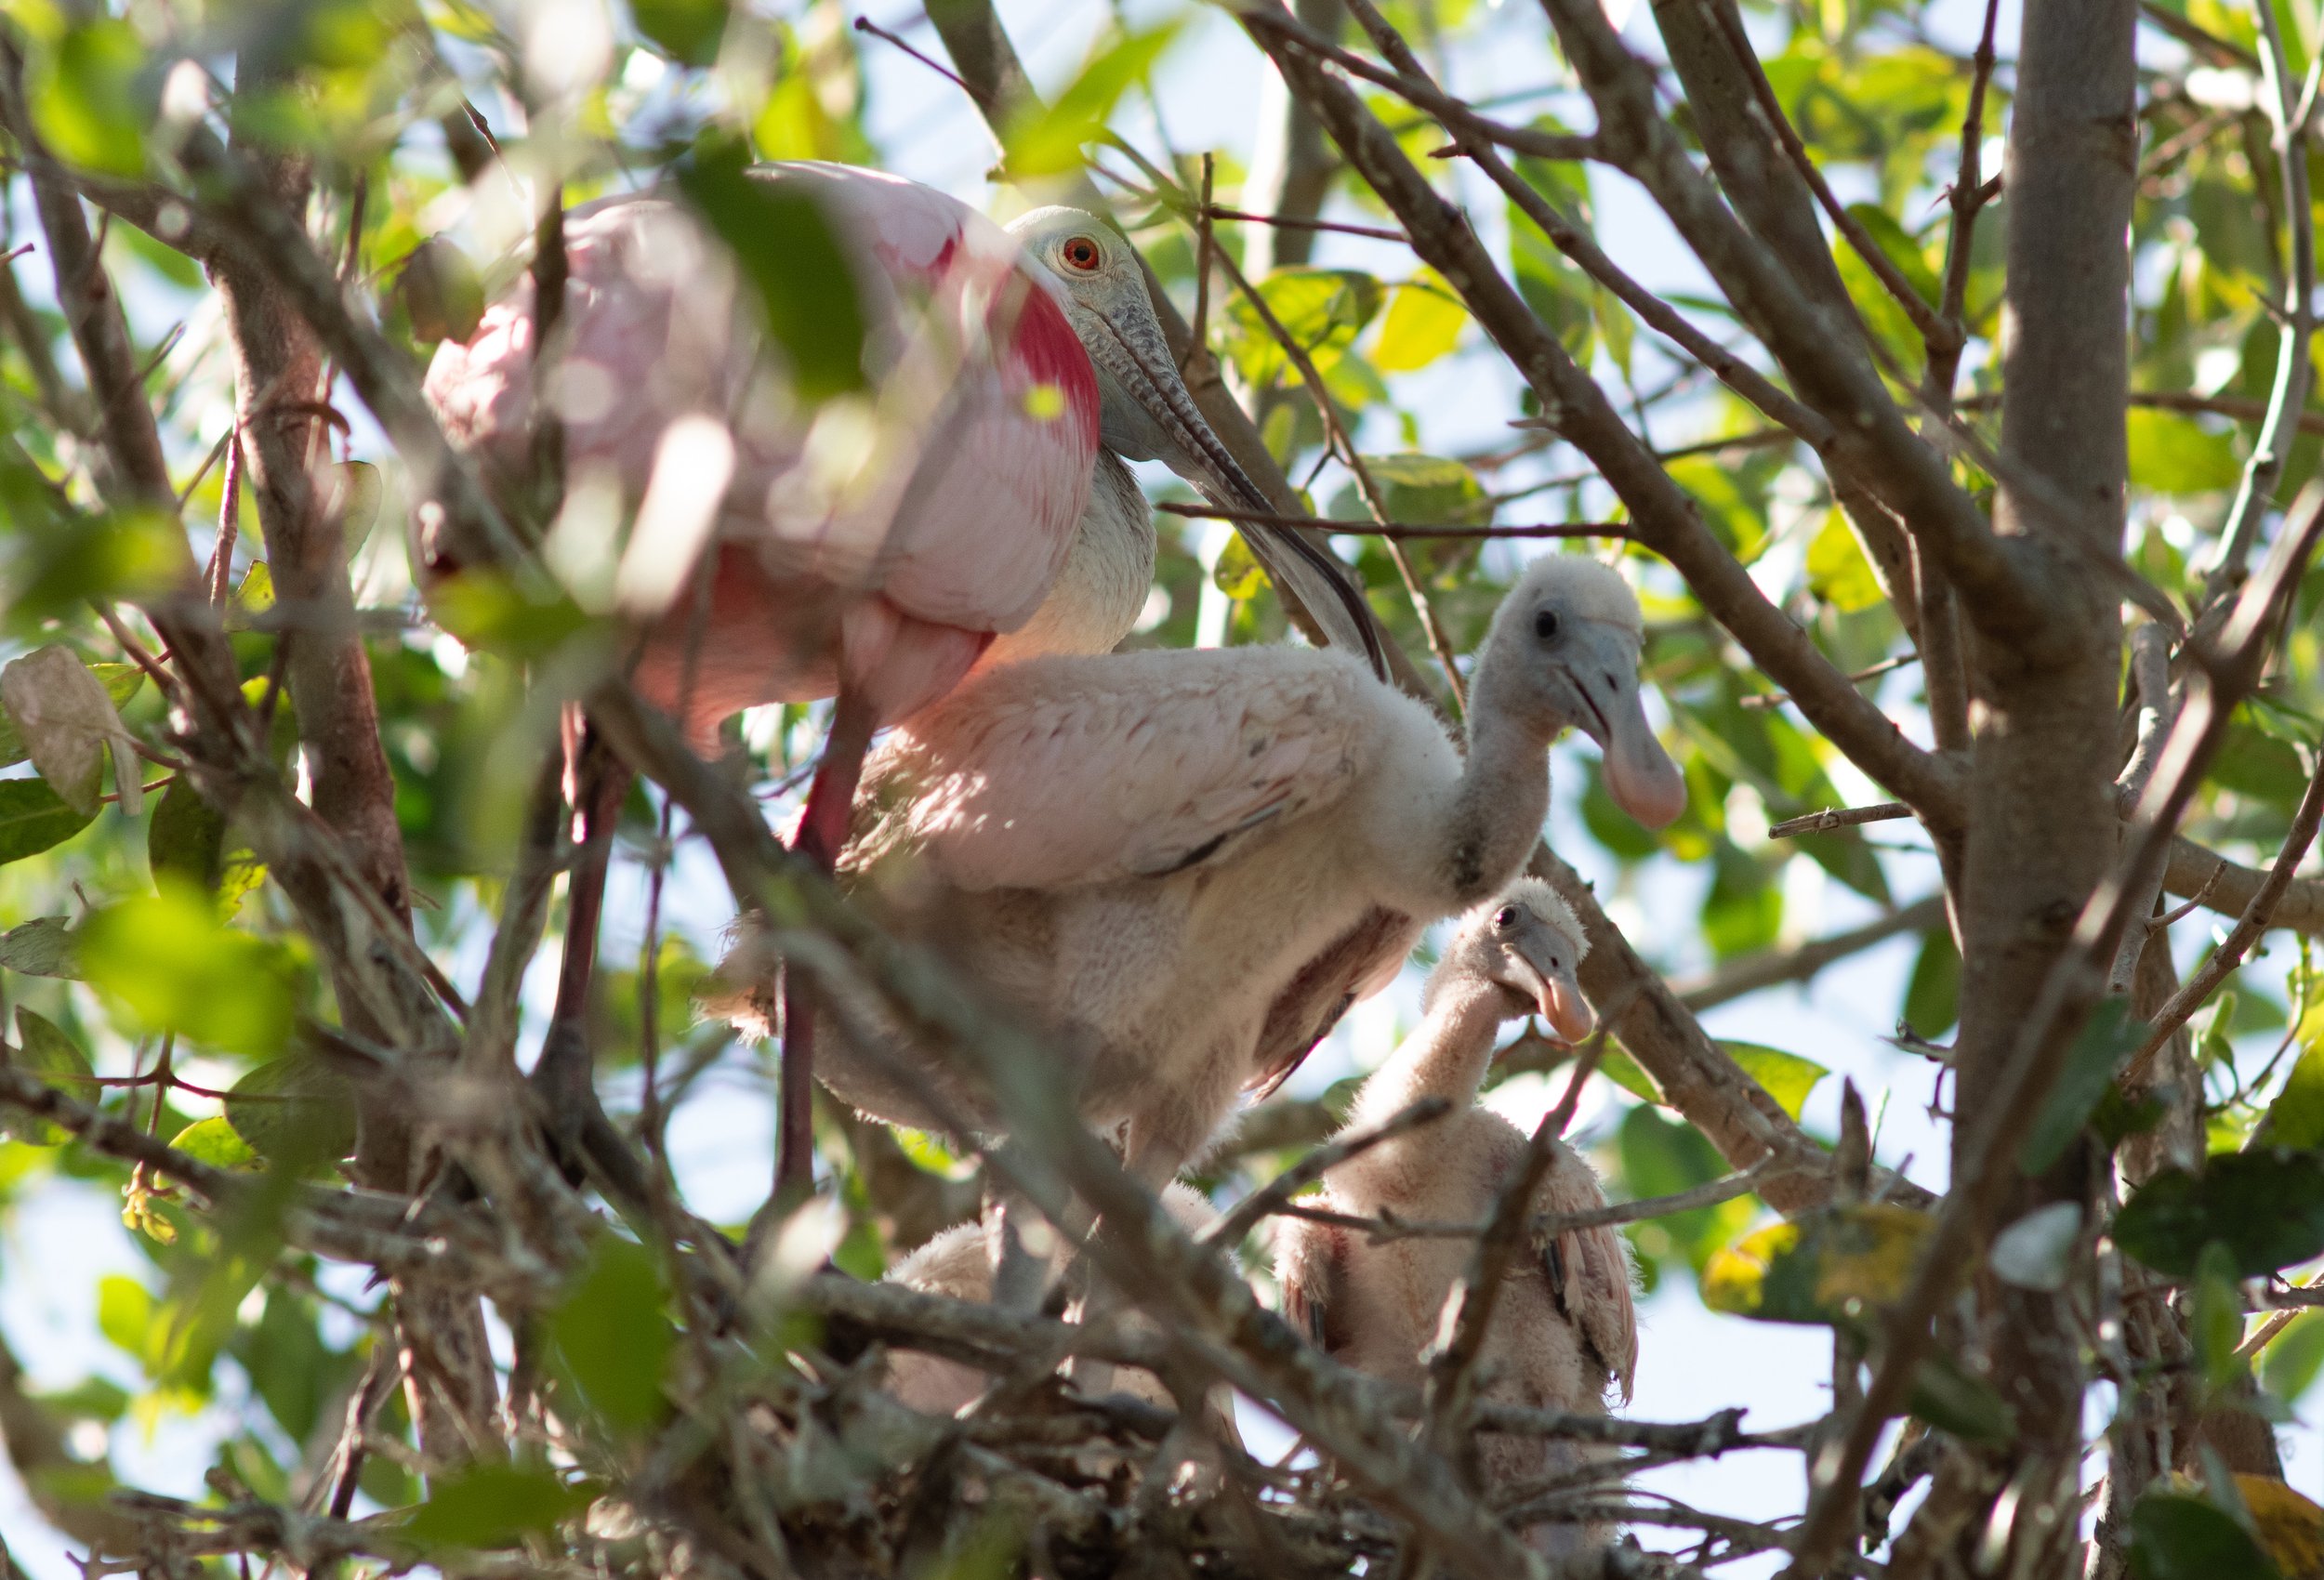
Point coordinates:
[[1144, 850], [1563, 1331], [958, 1263], [1002, 362]]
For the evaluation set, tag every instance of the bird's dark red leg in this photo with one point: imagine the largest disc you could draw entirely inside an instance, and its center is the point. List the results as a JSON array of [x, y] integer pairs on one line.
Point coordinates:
[[564, 1076], [821, 833]]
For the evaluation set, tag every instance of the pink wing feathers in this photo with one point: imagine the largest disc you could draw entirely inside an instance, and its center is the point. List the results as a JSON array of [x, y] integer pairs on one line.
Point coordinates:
[[971, 538], [1053, 773]]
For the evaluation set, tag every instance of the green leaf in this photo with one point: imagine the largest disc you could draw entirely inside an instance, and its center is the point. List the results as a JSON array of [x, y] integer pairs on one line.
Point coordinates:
[[2264, 767], [612, 1336], [1617, 1066], [1899, 249], [170, 962], [293, 1111], [125, 1313], [1744, 911], [1616, 330], [1837, 571], [215, 1143], [2289, 1364], [1660, 1156], [42, 947], [1835, 1265], [1423, 323], [1949, 1399], [2215, 1318], [353, 492], [1933, 997], [2173, 453], [790, 252], [495, 1506], [2296, 1117], [2265, 1206], [1322, 311], [1561, 296], [121, 683], [84, 99], [1047, 141], [1430, 489], [2105, 1042], [44, 1051], [1238, 573], [1787, 1077], [186, 836], [686, 30], [2177, 1536], [441, 294]]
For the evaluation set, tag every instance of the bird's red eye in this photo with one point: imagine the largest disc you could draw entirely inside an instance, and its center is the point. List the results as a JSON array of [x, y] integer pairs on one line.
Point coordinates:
[[1081, 253]]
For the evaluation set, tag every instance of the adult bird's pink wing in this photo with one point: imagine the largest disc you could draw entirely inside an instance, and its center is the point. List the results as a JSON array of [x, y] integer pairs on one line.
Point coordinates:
[[1053, 773], [964, 539]]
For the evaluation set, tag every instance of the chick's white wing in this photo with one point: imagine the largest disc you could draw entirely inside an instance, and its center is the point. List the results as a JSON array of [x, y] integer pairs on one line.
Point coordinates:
[[1059, 773]]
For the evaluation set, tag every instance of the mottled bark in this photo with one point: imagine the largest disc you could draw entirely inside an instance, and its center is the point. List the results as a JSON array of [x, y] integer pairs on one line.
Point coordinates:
[[2043, 831]]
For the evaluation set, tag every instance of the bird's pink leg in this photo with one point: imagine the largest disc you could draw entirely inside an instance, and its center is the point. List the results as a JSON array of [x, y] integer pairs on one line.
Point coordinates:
[[565, 1075], [821, 833]]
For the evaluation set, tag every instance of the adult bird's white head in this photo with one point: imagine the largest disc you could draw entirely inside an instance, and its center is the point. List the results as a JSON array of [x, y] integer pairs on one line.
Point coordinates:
[[1580, 625], [1147, 413], [1528, 943]]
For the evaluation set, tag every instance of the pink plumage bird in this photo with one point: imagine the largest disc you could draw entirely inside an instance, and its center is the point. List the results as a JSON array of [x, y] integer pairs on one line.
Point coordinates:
[[874, 549]]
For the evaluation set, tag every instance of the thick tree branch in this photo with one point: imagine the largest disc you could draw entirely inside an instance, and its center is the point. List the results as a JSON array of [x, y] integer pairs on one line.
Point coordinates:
[[1986, 1166]]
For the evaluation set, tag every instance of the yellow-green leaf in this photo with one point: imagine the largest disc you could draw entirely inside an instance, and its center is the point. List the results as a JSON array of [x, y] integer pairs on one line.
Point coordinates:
[[215, 1143], [1837, 569], [1424, 323], [1836, 1265], [2173, 453], [1046, 141], [1787, 1077], [173, 966], [84, 96]]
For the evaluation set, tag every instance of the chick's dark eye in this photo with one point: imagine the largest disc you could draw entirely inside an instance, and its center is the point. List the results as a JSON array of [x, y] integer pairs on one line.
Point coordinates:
[[1081, 253], [1545, 624], [1506, 917]]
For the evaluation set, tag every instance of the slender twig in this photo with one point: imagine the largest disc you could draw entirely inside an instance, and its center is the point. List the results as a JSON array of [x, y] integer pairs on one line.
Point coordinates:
[[864, 24], [1197, 340], [1753, 972], [1245, 1214], [1777, 698], [229, 518], [1285, 222], [1839, 817], [1388, 1227], [1966, 197], [1398, 529]]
